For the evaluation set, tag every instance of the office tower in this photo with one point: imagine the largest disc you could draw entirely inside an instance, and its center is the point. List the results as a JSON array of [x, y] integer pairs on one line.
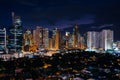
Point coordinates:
[[53, 38], [50, 43], [38, 36], [27, 40], [106, 40], [76, 37], [85, 39], [3, 41], [92, 40], [41, 37], [46, 38], [57, 39], [27, 37], [34, 37], [67, 39], [70, 41], [82, 43], [15, 36]]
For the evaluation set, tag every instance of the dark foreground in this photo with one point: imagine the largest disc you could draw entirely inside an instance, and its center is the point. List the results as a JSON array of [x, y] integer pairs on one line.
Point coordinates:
[[63, 66]]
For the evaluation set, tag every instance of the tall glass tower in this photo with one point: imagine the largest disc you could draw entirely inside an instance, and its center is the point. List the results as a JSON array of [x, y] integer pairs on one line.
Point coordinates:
[[3, 41], [16, 37]]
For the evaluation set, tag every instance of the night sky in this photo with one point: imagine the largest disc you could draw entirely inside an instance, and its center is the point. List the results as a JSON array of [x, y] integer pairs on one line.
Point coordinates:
[[61, 13]]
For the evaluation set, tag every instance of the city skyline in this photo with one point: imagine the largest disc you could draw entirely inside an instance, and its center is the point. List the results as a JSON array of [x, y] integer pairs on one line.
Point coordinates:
[[59, 40], [61, 14]]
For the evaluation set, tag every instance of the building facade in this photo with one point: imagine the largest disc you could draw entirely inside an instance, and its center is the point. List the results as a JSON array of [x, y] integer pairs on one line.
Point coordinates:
[[76, 37], [55, 42], [41, 37], [57, 39], [38, 36], [46, 38], [15, 36], [106, 40], [92, 40], [27, 40], [3, 41]]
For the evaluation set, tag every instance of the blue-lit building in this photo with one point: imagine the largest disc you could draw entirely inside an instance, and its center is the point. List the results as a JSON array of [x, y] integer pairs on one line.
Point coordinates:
[[15, 36], [3, 41]]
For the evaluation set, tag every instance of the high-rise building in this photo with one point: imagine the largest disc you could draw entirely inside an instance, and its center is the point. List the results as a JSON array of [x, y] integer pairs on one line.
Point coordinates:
[[92, 40], [41, 37], [70, 41], [34, 37], [15, 36], [53, 38], [76, 37], [46, 38], [27, 40], [67, 39], [57, 39], [106, 40], [38, 36], [3, 41], [51, 43], [82, 43]]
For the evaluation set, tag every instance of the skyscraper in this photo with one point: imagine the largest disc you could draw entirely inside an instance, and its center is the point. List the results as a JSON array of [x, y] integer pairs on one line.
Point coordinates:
[[76, 37], [3, 41], [82, 44], [27, 40], [46, 38], [50, 43], [67, 39], [92, 40], [15, 42], [55, 42], [41, 37], [106, 39], [38, 36], [57, 39]]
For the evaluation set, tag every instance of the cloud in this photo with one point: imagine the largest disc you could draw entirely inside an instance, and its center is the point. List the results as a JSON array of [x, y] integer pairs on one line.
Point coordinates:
[[65, 23], [105, 25], [64, 13]]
